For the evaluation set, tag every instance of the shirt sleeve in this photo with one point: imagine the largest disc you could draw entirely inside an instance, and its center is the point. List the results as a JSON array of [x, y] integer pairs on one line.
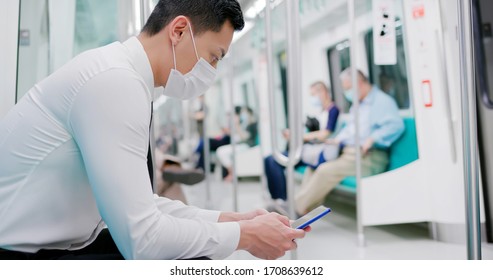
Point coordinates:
[[343, 135], [178, 209], [332, 121], [110, 123]]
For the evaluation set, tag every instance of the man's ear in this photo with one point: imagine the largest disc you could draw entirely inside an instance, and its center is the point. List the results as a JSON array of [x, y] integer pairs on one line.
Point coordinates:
[[178, 27]]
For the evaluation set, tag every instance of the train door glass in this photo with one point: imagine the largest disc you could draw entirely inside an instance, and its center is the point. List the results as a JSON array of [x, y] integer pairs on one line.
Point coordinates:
[[284, 81], [485, 22], [392, 79], [53, 32], [339, 59], [484, 66], [279, 41]]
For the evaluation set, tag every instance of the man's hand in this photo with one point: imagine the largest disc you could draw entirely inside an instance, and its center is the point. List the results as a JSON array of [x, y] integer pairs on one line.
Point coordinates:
[[367, 146], [268, 236], [236, 217], [332, 141], [252, 214]]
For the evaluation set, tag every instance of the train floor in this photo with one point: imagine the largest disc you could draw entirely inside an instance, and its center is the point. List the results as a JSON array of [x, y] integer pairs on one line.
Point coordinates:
[[335, 237]]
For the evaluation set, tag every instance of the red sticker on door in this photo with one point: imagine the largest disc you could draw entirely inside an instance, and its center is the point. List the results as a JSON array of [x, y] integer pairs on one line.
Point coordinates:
[[426, 91]]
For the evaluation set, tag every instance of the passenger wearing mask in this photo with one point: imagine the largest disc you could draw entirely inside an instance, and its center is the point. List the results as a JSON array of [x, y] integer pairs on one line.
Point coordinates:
[[380, 125], [327, 118], [74, 152]]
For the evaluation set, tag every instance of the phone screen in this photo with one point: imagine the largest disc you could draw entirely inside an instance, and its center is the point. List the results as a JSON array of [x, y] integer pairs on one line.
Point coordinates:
[[311, 217]]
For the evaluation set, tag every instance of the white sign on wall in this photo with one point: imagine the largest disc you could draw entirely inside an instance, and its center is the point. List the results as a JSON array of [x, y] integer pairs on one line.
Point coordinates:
[[384, 41]]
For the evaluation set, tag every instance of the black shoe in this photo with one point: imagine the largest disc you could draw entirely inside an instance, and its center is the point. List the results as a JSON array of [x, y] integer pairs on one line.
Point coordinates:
[[187, 177]]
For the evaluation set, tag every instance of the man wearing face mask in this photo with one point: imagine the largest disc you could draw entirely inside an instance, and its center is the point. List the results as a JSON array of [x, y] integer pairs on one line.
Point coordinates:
[[380, 126], [327, 118], [73, 152]]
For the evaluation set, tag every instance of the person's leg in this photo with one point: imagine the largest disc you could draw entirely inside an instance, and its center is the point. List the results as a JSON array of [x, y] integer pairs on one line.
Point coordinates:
[[200, 146], [175, 192], [375, 162], [276, 180], [224, 155], [324, 180], [200, 151], [225, 140], [170, 189], [307, 175], [171, 172], [214, 144]]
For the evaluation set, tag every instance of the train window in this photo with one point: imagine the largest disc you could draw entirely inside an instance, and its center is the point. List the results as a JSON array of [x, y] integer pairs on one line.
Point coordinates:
[[282, 57], [339, 59], [485, 52], [94, 27], [392, 79], [55, 33]]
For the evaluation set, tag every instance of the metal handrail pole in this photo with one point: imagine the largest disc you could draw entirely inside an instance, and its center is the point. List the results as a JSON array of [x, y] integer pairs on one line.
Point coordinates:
[[278, 156], [469, 130], [356, 105], [232, 129]]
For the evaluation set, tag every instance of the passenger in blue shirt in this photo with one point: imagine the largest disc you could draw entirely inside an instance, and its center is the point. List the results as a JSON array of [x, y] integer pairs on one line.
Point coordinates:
[[276, 180], [380, 126]]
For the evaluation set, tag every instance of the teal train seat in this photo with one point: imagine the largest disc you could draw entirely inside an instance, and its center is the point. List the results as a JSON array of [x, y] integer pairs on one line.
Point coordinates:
[[402, 152]]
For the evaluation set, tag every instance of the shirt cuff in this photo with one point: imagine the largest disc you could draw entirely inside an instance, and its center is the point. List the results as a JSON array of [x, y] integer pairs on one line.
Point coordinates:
[[229, 238]]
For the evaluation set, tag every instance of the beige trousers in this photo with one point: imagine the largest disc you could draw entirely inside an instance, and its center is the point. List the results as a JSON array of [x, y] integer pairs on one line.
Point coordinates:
[[170, 190], [317, 184]]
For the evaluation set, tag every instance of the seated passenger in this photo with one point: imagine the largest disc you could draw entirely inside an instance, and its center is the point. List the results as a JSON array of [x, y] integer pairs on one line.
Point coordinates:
[[327, 118], [246, 132], [380, 126], [214, 144], [170, 176]]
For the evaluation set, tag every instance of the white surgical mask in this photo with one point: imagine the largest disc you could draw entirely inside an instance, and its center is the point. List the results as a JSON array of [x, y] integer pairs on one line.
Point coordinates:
[[193, 84], [243, 118], [349, 94], [315, 101]]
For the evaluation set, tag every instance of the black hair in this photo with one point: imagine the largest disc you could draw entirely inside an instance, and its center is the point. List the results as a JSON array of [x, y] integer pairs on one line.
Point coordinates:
[[205, 15], [237, 110], [249, 110]]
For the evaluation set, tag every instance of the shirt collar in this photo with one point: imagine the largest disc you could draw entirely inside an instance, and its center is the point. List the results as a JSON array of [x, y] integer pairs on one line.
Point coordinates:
[[371, 96], [140, 62]]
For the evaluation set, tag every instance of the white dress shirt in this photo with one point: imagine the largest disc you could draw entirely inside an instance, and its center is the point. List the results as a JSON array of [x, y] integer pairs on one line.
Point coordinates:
[[73, 158]]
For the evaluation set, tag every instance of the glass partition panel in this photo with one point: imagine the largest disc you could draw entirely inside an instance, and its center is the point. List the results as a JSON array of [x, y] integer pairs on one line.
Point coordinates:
[[54, 31]]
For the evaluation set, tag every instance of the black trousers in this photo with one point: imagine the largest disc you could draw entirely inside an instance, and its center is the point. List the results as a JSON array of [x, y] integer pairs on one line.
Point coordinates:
[[103, 248]]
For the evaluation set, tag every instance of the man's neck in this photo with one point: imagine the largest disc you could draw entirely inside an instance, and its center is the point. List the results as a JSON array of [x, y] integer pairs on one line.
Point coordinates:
[[366, 89], [327, 104], [157, 52]]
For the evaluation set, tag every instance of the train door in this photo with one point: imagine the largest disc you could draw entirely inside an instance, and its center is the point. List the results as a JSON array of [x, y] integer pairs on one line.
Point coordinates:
[[484, 81]]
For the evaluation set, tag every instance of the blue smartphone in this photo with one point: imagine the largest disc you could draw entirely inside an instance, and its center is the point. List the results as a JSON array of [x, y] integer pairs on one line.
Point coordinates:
[[311, 217]]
